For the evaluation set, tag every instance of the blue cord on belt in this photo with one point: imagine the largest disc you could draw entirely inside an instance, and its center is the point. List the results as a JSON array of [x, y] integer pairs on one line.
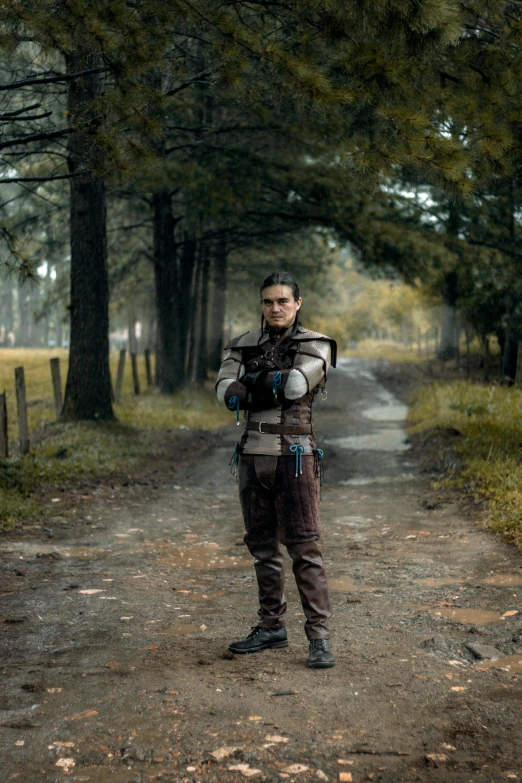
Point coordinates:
[[276, 383], [232, 404], [234, 462], [298, 450]]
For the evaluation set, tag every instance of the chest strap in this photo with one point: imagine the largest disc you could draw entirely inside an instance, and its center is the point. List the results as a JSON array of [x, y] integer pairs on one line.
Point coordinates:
[[279, 429]]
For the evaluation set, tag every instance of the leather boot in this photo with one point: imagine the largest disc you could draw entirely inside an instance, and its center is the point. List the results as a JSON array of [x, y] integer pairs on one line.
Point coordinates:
[[311, 582], [260, 639], [268, 564], [320, 656]]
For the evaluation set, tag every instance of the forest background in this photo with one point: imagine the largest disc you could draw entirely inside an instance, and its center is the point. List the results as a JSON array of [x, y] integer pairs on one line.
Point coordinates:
[[158, 159]]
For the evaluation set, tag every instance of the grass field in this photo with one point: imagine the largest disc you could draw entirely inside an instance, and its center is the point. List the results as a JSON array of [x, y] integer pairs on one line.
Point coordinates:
[[488, 418], [61, 452]]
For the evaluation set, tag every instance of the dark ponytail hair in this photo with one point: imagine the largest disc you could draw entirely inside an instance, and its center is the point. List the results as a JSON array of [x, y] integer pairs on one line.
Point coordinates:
[[280, 277]]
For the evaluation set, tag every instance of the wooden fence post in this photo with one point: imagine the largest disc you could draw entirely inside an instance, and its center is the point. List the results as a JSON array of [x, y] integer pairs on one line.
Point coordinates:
[[21, 404], [135, 379], [119, 376], [57, 386], [148, 367], [4, 443], [518, 376]]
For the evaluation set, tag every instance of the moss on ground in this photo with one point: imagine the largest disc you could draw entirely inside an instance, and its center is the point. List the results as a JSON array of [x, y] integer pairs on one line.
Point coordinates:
[[61, 453], [489, 420]]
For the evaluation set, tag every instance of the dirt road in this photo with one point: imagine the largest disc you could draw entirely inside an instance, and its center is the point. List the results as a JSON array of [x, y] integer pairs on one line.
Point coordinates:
[[115, 630]]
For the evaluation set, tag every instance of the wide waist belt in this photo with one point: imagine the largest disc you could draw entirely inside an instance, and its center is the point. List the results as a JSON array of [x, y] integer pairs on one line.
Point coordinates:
[[279, 429]]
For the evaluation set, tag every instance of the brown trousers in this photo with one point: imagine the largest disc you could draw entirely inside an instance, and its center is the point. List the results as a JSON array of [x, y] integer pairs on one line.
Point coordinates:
[[278, 507]]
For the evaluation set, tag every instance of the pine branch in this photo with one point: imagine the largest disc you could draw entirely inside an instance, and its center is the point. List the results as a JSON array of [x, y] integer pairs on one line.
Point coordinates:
[[35, 137], [41, 179], [49, 79], [11, 116], [16, 112], [194, 80]]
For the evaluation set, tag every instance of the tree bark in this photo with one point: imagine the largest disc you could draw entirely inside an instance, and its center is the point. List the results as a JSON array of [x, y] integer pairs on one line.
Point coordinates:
[[88, 387], [448, 333], [512, 331], [509, 345], [217, 311], [170, 375], [6, 310], [202, 351], [188, 261], [24, 331], [195, 317]]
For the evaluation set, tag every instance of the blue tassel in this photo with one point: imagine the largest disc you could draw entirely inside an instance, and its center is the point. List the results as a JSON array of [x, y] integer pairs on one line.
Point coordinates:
[[233, 404], [298, 450], [234, 462], [276, 383]]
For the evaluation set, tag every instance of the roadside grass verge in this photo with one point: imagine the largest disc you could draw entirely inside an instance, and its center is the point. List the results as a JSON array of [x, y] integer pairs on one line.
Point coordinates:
[[62, 453], [490, 423]]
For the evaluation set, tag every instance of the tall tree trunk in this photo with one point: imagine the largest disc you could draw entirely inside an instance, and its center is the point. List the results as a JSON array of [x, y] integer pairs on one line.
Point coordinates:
[[195, 317], [88, 387], [448, 347], [7, 309], [202, 352], [188, 262], [23, 333], [59, 330], [512, 330], [216, 320], [448, 333], [509, 345], [170, 375]]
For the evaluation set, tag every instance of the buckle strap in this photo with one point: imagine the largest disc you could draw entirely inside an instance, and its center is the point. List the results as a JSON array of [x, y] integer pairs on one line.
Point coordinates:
[[279, 429]]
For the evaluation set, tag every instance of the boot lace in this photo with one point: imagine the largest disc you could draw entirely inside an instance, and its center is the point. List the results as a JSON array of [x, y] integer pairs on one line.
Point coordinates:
[[255, 631], [319, 644]]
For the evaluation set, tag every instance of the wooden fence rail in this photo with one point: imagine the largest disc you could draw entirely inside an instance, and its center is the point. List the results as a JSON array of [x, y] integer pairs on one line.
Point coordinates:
[[21, 398], [4, 442], [21, 405], [119, 375], [57, 387], [135, 378]]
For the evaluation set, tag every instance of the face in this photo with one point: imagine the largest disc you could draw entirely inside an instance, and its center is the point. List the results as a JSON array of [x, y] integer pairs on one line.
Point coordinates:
[[279, 306]]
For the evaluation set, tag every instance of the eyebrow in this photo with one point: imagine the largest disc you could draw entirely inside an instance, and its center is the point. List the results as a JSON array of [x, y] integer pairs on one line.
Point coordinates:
[[270, 301]]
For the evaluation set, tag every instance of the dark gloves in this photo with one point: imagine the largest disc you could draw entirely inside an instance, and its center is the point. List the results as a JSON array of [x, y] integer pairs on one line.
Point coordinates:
[[238, 391], [267, 387]]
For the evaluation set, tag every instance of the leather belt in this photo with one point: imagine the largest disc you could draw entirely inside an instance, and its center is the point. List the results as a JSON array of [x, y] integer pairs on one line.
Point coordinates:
[[279, 429]]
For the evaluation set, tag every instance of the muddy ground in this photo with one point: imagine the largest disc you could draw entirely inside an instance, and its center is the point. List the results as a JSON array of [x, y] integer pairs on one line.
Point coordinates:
[[116, 622]]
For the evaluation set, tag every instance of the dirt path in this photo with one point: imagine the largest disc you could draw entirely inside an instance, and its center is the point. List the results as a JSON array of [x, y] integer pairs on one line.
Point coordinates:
[[115, 631]]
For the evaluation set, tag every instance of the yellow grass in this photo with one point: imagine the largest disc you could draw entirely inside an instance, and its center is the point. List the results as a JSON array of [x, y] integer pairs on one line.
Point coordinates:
[[489, 419], [61, 452]]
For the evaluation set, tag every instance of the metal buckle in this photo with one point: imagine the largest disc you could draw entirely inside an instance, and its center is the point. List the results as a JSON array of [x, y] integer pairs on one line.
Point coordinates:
[[259, 425]]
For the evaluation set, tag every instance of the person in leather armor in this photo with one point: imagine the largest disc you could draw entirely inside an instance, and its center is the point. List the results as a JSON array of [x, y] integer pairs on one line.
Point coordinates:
[[273, 374]]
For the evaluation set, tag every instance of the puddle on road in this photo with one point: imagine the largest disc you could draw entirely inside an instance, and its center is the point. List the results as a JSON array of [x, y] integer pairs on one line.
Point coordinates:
[[440, 581], [181, 629], [98, 775], [206, 596], [503, 580], [473, 616], [353, 521], [513, 664], [30, 549], [203, 557], [386, 413], [348, 585], [385, 440], [362, 481]]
